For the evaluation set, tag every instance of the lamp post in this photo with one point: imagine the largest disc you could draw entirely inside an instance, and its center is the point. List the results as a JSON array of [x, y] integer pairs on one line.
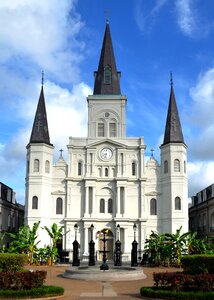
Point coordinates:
[[76, 261], [134, 248], [91, 248], [117, 254]]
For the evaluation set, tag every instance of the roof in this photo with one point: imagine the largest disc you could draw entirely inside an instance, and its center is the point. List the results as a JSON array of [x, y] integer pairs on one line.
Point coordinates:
[[107, 59], [173, 130], [40, 133]]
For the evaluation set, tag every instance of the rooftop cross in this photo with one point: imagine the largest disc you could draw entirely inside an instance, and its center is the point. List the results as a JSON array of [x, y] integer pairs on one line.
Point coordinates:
[[60, 152]]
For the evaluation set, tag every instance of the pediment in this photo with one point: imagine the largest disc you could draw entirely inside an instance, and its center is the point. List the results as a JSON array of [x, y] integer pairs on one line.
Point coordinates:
[[106, 142]]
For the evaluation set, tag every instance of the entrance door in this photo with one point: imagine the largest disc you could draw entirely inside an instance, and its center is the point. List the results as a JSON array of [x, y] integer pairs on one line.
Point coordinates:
[[108, 244]]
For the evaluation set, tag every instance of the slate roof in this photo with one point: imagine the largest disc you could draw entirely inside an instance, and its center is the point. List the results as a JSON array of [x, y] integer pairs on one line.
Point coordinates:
[[107, 59], [173, 130], [40, 133]]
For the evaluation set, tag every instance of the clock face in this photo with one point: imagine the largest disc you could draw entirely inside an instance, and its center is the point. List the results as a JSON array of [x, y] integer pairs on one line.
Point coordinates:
[[106, 153]]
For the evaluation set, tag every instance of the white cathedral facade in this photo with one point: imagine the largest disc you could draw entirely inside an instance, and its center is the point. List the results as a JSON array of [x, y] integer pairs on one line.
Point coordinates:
[[107, 181]]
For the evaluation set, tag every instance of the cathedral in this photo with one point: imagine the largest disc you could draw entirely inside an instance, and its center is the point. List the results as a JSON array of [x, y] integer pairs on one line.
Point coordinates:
[[106, 183]]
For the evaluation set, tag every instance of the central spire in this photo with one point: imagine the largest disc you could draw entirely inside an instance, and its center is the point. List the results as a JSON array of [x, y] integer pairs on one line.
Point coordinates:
[[107, 79]]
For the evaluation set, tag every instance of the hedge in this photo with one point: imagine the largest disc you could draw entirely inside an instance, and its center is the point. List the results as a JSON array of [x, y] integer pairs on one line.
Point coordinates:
[[10, 262], [161, 293], [44, 291], [196, 264], [22, 280], [184, 282]]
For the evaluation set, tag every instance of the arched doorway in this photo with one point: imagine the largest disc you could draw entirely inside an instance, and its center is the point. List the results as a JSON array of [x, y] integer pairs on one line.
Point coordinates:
[[108, 244]]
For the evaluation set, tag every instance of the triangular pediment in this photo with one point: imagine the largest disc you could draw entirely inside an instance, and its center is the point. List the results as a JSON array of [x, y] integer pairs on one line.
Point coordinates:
[[106, 142]]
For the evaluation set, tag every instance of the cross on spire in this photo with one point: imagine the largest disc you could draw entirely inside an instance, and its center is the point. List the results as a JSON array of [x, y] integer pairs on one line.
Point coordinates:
[[107, 13], [152, 151], [171, 79], [42, 77], [60, 152]]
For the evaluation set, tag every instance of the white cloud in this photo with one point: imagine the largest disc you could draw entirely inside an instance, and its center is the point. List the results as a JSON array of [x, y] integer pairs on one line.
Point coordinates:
[[146, 17], [43, 33], [186, 18]]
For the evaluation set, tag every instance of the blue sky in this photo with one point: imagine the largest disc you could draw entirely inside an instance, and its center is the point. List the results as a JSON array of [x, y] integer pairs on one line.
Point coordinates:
[[64, 38]]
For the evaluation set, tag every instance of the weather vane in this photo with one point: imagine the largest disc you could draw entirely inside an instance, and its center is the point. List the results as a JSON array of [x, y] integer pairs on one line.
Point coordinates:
[[107, 13], [171, 79], [42, 77]]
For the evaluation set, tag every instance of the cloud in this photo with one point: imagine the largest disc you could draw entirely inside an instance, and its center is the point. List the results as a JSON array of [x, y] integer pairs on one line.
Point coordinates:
[[186, 19], [201, 143], [145, 17], [43, 34]]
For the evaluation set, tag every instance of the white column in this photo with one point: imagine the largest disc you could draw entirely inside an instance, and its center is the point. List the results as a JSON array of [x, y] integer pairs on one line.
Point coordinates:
[[124, 201], [93, 202], [118, 201], [142, 201], [86, 201], [85, 241]]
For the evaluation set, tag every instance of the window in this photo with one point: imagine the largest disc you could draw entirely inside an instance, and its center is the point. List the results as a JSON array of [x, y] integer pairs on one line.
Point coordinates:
[[110, 209], [79, 168], [28, 166], [35, 202], [176, 165], [185, 168], [165, 166], [100, 129], [112, 129], [102, 206], [212, 221], [153, 207], [59, 206], [47, 166], [107, 75], [106, 172], [36, 165], [177, 203], [133, 168]]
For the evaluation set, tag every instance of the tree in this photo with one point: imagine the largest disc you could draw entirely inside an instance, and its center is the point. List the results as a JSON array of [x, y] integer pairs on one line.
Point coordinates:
[[24, 241], [195, 245], [178, 241], [55, 234], [2, 246]]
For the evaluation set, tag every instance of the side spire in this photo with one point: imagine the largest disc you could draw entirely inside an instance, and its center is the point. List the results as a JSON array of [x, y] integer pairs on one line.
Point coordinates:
[[173, 130], [40, 133], [107, 78]]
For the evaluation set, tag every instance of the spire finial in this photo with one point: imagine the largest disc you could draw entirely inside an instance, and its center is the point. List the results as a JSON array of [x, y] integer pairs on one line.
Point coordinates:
[[107, 13], [42, 77], [171, 79], [152, 151], [60, 153]]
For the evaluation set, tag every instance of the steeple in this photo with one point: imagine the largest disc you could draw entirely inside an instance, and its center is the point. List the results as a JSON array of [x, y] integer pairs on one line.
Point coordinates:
[[173, 130], [40, 133], [107, 79]]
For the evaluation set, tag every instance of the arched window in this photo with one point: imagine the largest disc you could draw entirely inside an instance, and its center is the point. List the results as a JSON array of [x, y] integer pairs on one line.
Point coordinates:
[[36, 165], [35, 202], [79, 168], [177, 203], [153, 207], [100, 172], [112, 129], [176, 165], [133, 168], [110, 208], [165, 166], [47, 166], [212, 222], [106, 172], [185, 169], [107, 75], [102, 206], [59, 206], [100, 129]]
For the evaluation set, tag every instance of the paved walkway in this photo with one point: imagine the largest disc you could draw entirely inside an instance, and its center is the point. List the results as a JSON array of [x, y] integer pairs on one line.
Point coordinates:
[[95, 290]]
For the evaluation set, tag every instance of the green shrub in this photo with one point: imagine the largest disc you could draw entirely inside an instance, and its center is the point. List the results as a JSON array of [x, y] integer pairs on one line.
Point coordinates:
[[184, 282], [160, 293], [22, 280], [10, 262], [46, 291], [196, 264]]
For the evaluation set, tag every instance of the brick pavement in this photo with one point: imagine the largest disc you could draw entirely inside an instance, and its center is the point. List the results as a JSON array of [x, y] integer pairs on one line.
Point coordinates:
[[89, 290]]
